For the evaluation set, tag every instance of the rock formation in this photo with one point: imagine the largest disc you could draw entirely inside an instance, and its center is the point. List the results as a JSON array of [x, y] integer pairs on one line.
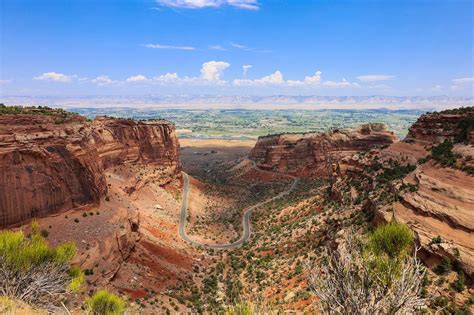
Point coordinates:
[[439, 207], [309, 154], [48, 165], [433, 128]]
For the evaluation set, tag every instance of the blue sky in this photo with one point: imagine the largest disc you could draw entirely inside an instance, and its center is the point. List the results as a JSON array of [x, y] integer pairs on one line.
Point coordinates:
[[237, 47]]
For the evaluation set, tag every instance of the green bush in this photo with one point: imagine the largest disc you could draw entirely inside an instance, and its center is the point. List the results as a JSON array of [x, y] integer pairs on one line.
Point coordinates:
[[460, 283], [21, 253], [444, 267], [105, 303], [436, 240], [443, 153], [77, 278], [396, 171], [466, 126], [26, 259], [393, 239]]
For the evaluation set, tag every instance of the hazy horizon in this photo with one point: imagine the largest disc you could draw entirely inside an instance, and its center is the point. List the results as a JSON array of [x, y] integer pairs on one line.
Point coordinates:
[[238, 47]]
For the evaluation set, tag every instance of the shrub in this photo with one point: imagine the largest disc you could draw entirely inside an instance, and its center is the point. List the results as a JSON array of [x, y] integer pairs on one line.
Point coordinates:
[[250, 308], [32, 271], [443, 153], [349, 281], [393, 239], [444, 267], [460, 283], [396, 171], [105, 303], [466, 125], [77, 278], [436, 240]]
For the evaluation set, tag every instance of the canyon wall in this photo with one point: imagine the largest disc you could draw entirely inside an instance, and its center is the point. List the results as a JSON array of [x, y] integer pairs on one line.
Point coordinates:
[[48, 165], [433, 128], [309, 154]]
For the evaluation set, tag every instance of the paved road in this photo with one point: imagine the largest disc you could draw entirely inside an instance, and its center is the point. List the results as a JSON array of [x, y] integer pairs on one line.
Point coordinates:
[[245, 218]]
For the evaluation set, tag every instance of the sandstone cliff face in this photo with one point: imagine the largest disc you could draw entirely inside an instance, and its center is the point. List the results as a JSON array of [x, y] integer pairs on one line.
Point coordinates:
[[309, 154], [434, 128], [47, 167]]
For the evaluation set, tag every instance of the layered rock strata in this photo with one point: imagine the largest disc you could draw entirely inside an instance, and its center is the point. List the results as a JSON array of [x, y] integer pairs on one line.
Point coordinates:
[[309, 154], [46, 166]]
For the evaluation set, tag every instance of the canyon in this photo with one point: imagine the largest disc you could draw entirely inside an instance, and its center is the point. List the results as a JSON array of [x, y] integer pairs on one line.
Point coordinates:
[[47, 167], [114, 187], [440, 204]]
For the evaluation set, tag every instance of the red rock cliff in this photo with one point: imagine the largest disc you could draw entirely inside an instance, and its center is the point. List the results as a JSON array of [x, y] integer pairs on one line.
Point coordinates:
[[47, 167], [308, 154], [433, 128]]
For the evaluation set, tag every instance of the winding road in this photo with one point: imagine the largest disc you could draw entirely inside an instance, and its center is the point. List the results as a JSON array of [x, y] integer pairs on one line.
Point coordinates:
[[245, 218]]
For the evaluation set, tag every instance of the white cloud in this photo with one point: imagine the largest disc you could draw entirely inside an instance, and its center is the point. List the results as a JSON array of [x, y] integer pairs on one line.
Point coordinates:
[[212, 70], [201, 4], [159, 46], [463, 80], [103, 80], [339, 84], [246, 69], [168, 77], [137, 78], [174, 78], [239, 46], [54, 76], [375, 77], [308, 80], [462, 83], [217, 47], [3, 82], [275, 78]]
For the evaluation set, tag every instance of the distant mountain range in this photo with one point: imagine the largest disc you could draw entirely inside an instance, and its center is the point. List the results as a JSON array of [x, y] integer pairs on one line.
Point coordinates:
[[247, 102]]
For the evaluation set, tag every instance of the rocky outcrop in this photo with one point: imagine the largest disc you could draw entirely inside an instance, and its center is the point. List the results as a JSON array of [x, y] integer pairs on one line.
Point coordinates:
[[441, 206], [309, 154], [47, 166], [434, 128]]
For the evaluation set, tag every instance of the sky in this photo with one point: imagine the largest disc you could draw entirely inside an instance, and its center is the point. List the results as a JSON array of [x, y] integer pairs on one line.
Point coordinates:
[[237, 47]]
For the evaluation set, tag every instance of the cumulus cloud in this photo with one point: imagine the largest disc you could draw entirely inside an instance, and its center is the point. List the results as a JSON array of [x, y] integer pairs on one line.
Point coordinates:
[[54, 76], [137, 78], [103, 80], [308, 80], [201, 4], [275, 78], [213, 70], [168, 77], [159, 46], [375, 77]]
